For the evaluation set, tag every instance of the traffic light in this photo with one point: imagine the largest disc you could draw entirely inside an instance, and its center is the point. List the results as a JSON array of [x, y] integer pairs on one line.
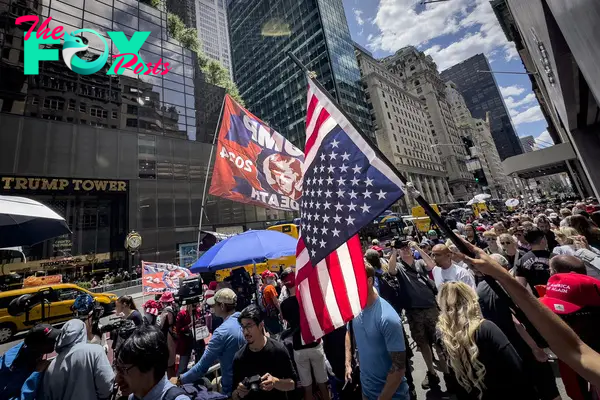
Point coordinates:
[[477, 180]]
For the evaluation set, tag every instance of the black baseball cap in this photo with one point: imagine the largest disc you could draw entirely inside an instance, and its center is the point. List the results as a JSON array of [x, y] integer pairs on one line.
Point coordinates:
[[41, 335]]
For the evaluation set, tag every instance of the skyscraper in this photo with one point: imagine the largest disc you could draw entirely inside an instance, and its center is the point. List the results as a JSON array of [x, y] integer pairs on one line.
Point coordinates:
[[211, 22], [273, 87], [527, 142], [420, 76], [482, 95], [111, 153], [402, 130]]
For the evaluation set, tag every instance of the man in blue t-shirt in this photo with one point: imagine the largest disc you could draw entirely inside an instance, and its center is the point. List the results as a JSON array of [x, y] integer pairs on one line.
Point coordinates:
[[381, 351]]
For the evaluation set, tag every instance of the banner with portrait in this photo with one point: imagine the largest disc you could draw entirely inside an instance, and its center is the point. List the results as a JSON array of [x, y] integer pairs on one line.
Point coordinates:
[[159, 277], [254, 164]]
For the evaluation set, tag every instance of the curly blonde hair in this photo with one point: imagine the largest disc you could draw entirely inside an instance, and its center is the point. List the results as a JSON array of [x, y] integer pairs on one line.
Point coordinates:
[[458, 322]]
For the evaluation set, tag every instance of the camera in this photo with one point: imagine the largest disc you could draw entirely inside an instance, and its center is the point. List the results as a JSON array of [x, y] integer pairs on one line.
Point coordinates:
[[124, 327], [399, 243], [252, 383]]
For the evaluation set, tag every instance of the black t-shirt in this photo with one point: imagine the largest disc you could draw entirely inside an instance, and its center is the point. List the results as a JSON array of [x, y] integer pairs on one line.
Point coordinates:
[[535, 268], [273, 359], [290, 311], [497, 310], [551, 239], [136, 317], [505, 376]]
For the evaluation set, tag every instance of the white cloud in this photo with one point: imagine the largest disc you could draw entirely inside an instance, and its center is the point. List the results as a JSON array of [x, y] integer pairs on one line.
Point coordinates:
[[358, 15], [513, 105], [513, 90], [532, 114], [400, 25], [543, 140]]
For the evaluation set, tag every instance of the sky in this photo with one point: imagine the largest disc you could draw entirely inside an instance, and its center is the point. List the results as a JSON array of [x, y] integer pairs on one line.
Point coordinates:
[[450, 32]]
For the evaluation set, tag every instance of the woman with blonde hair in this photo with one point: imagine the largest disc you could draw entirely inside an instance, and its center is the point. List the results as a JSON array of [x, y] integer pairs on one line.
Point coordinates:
[[485, 364]]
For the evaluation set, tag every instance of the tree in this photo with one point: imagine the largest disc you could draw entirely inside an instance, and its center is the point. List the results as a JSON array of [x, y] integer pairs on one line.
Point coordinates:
[[214, 72]]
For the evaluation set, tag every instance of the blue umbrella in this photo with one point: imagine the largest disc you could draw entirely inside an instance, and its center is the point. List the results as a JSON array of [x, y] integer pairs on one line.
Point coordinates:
[[246, 248]]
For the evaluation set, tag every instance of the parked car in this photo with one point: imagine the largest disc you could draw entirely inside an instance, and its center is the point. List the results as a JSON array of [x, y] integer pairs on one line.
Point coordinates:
[[57, 301]]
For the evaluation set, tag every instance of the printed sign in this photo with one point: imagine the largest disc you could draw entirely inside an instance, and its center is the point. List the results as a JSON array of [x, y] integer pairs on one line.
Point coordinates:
[[16, 184], [159, 277], [254, 164]]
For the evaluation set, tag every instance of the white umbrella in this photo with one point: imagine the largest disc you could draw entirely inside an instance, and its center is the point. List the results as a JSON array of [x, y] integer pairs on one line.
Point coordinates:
[[24, 222], [512, 202], [482, 197]]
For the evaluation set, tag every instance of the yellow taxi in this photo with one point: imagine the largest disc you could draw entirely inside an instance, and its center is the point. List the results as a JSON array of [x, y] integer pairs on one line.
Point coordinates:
[[57, 307]]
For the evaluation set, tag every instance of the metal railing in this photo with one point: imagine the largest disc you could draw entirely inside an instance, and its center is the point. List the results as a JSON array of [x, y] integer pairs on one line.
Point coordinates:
[[116, 286]]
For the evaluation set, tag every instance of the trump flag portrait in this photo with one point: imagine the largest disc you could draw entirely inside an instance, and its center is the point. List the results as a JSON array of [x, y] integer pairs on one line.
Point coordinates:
[[254, 164]]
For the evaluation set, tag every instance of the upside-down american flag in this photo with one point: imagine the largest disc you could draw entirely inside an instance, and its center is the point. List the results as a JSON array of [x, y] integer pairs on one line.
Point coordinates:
[[346, 186]]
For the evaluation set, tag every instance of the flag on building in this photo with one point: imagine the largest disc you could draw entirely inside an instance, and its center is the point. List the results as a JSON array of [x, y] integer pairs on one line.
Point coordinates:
[[346, 186], [254, 164]]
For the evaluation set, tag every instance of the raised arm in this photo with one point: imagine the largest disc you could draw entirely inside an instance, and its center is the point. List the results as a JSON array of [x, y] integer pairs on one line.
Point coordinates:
[[392, 264], [563, 341]]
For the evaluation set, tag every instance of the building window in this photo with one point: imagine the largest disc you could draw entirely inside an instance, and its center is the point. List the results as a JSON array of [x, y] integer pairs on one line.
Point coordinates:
[[54, 103], [114, 115], [386, 105], [392, 126], [395, 138], [72, 104], [98, 112], [82, 107], [35, 100]]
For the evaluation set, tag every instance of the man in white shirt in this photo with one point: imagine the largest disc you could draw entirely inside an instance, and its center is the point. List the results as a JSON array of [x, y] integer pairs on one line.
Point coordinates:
[[447, 270]]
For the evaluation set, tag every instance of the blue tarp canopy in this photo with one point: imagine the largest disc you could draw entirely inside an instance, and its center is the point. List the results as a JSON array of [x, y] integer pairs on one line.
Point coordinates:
[[250, 247]]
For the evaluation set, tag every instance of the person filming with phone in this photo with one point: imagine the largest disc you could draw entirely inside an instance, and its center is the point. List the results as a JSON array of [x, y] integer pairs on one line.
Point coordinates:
[[262, 369]]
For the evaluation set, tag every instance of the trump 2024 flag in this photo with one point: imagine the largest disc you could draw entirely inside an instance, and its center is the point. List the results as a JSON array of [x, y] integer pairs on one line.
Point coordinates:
[[346, 186], [254, 164]]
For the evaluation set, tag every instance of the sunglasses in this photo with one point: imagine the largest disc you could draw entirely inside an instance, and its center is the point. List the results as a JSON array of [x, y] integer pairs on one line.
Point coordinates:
[[505, 243]]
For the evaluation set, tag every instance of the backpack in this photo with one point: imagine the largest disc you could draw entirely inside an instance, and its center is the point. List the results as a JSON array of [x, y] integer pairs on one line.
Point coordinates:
[[269, 310], [390, 289], [170, 328], [193, 392]]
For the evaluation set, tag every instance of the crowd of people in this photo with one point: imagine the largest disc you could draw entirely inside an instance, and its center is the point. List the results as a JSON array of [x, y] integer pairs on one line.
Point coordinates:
[[489, 324]]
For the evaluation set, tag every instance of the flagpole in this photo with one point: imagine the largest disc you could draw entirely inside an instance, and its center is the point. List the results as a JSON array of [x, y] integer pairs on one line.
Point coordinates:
[[437, 219], [210, 157]]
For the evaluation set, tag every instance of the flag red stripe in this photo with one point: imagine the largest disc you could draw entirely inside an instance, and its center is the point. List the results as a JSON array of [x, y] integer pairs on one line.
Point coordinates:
[[311, 109], [358, 263], [318, 302], [339, 286], [323, 115], [304, 326]]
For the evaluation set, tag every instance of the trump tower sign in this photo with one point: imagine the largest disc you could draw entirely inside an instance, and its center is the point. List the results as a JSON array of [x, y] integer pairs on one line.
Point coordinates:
[[128, 56]]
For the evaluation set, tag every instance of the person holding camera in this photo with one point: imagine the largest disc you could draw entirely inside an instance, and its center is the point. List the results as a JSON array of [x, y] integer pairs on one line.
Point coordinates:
[[421, 305], [226, 340], [262, 369], [142, 365]]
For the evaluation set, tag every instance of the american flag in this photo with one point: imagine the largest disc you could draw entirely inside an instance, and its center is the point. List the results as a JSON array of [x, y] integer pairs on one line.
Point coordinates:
[[346, 186]]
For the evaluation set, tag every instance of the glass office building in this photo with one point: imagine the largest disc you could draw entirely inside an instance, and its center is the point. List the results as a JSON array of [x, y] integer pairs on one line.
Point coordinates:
[[273, 87], [110, 153], [482, 95]]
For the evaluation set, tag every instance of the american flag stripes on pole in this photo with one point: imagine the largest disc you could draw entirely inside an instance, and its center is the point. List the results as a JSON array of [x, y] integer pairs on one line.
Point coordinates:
[[347, 184]]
